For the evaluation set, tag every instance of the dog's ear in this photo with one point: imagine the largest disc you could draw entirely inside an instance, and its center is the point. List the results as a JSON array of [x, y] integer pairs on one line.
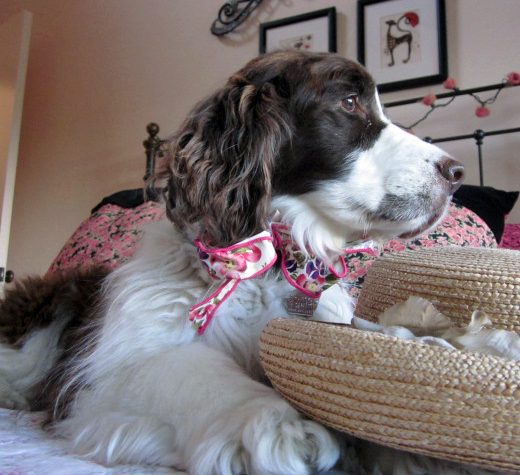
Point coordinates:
[[221, 160]]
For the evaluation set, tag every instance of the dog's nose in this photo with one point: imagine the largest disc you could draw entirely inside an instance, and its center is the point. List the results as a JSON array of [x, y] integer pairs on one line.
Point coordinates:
[[452, 171]]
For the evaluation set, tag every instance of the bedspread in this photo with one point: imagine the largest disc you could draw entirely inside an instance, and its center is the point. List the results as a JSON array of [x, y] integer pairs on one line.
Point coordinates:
[[26, 449]]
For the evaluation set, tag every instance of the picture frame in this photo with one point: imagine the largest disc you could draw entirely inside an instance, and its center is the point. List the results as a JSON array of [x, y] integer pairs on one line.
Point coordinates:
[[402, 43], [313, 31]]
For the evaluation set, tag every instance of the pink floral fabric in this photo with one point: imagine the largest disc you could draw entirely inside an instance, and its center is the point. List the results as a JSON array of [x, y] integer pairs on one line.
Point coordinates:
[[108, 237], [461, 227], [305, 271], [245, 260], [241, 261], [511, 237]]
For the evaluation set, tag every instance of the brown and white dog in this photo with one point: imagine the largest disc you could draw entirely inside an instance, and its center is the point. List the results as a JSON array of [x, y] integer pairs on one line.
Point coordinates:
[[128, 378]]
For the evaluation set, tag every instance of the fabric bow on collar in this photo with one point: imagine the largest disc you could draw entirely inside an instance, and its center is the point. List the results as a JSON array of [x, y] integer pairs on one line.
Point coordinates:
[[253, 257]]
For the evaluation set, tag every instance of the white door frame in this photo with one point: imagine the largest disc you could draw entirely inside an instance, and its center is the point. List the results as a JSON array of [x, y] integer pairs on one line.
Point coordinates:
[[15, 35]]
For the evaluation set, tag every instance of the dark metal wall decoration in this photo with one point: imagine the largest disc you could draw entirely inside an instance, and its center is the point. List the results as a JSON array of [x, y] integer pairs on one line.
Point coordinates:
[[232, 14]]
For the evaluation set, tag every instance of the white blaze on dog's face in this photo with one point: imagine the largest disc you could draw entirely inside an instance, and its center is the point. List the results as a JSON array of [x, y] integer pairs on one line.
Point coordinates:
[[393, 188], [351, 174]]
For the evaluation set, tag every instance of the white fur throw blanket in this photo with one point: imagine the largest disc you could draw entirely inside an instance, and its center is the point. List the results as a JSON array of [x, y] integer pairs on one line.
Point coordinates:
[[26, 449]]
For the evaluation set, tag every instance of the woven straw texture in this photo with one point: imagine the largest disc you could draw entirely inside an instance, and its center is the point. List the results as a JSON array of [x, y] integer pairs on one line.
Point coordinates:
[[457, 280], [449, 404]]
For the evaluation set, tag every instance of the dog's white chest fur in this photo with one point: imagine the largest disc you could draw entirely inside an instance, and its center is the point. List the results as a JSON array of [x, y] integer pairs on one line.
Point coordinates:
[[166, 278]]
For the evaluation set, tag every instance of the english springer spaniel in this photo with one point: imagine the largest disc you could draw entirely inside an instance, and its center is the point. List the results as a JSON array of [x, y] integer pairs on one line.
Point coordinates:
[[279, 171]]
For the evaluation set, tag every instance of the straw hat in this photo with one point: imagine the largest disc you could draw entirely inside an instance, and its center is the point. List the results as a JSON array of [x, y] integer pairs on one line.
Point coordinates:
[[449, 404], [457, 280]]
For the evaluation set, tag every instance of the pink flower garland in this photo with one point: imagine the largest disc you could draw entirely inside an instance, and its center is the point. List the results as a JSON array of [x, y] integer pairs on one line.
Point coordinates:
[[450, 83], [429, 100], [482, 111], [512, 79]]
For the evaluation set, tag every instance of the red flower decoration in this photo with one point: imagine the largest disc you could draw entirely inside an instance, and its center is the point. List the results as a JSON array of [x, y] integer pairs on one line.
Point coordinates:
[[513, 79], [450, 83], [429, 99], [482, 111], [412, 18]]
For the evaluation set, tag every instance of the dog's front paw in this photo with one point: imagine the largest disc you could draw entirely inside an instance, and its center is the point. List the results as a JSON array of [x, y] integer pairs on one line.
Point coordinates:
[[292, 445], [10, 398], [264, 437]]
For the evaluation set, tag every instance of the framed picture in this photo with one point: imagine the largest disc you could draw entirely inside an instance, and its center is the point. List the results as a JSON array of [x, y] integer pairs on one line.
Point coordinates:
[[314, 31], [403, 42]]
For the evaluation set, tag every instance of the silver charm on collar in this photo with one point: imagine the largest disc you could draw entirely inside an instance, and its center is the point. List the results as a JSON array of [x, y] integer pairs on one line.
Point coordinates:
[[297, 303]]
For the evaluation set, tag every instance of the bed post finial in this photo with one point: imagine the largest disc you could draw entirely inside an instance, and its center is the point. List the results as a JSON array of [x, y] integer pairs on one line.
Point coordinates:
[[152, 145], [479, 139]]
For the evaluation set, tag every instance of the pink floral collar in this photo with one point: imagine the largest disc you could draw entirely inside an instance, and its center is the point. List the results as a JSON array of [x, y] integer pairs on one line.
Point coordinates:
[[254, 256]]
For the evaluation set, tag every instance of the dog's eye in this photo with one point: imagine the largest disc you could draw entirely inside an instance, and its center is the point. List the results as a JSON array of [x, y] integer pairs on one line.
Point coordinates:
[[350, 103]]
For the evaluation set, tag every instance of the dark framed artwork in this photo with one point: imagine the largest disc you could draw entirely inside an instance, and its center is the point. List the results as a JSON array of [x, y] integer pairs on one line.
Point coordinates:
[[314, 31], [403, 42]]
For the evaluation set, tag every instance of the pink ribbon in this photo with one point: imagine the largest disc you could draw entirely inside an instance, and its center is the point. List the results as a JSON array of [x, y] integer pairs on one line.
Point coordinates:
[[252, 257], [245, 260]]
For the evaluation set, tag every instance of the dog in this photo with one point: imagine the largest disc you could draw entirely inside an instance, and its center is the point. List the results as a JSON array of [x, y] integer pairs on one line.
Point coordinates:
[[291, 161]]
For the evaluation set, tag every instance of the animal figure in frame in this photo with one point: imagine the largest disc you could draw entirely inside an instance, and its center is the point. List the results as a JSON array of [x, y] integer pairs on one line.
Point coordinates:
[[402, 36]]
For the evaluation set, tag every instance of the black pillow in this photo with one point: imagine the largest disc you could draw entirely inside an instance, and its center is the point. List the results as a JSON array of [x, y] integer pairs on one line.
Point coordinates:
[[129, 198], [490, 204]]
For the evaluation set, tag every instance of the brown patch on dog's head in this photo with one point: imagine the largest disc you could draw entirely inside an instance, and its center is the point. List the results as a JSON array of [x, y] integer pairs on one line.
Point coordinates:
[[223, 158]]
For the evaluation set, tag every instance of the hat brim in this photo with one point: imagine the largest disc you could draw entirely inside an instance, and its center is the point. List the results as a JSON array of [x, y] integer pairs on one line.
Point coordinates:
[[449, 404]]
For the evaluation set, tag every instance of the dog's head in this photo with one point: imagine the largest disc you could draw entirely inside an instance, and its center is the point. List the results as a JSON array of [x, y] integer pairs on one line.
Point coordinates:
[[304, 133]]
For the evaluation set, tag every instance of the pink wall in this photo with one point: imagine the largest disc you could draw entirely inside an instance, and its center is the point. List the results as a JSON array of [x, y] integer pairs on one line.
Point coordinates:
[[99, 71]]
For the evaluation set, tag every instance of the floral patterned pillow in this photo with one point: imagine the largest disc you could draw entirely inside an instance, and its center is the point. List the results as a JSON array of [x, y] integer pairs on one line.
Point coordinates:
[[108, 237], [111, 235], [511, 238], [460, 227]]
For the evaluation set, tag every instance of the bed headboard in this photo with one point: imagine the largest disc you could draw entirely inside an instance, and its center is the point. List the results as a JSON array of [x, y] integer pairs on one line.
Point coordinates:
[[152, 146]]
